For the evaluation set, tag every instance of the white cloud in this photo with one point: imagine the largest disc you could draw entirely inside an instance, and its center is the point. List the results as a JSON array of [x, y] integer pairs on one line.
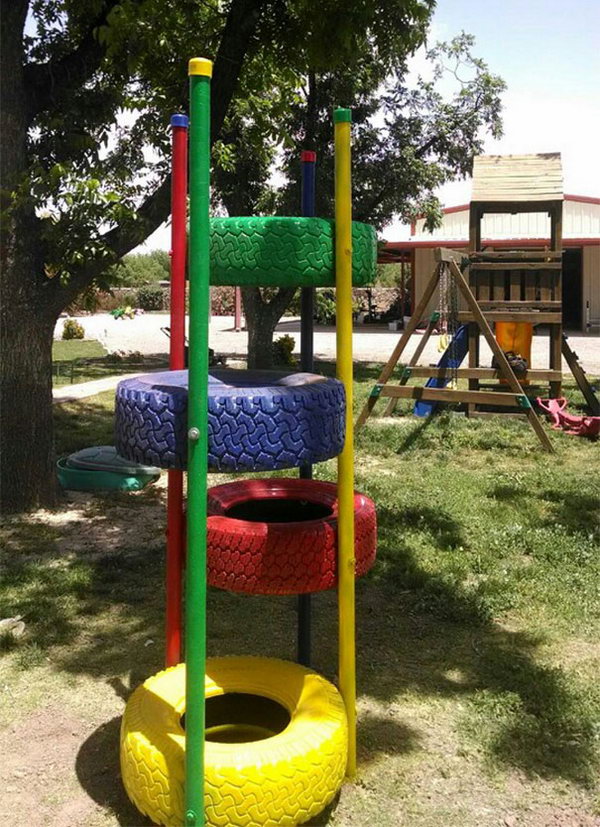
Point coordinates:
[[569, 125]]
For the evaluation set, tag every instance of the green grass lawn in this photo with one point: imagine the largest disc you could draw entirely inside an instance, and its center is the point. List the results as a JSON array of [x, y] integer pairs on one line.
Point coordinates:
[[477, 630], [83, 360], [68, 350]]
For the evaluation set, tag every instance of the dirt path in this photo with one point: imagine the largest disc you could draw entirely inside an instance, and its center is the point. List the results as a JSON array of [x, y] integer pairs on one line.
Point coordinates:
[[372, 343], [69, 393]]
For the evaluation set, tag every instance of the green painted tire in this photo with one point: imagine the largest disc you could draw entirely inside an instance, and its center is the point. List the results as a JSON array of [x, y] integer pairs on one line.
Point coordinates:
[[85, 479], [286, 252]]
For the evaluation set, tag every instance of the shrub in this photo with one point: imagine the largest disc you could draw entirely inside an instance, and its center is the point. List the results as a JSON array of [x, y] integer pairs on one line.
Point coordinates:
[[282, 351], [73, 330], [138, 269], [222, 301], [150, 297], [293, 308], [325, 307], [118, 356]]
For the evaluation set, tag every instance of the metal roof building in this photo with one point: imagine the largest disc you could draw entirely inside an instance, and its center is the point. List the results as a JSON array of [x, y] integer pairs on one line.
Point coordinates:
[[581, 243]]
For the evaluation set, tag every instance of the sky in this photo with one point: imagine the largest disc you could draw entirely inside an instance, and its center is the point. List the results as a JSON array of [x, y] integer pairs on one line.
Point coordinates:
[[548, 52]]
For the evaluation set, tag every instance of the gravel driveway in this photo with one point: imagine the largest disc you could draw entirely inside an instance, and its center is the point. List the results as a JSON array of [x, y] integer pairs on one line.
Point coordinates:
[[371, 343]]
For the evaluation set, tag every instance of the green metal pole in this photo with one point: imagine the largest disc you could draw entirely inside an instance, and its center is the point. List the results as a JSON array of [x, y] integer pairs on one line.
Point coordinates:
[[200, 71]]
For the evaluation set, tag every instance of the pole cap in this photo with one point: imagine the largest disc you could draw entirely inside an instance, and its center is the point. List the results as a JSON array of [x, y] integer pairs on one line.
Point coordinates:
[[308, 156], [341, 115], [180, 120], [200, 66]]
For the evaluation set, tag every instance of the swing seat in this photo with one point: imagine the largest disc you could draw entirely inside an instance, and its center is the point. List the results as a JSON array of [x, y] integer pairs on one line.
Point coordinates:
[[570, 424]]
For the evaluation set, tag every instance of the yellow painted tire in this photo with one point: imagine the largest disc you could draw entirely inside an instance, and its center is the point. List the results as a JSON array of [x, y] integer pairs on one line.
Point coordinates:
[[284, 779]]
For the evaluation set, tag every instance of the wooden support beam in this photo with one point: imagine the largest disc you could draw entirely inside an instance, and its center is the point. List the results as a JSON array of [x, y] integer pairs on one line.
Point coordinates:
[[403, 341], [434, 372], [444, 254], [515, 290], [512, 207], [501, 360], [501, 398], [475, 215], [515, 255], [580, 377], [515, 316], [555, 360], [391, 406], [473, 360], [556, 222], [515, 265], [519, 306]]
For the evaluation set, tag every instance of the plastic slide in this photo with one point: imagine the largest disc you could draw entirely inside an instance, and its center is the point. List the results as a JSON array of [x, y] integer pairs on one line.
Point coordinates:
[[451, 358], [515, 337]]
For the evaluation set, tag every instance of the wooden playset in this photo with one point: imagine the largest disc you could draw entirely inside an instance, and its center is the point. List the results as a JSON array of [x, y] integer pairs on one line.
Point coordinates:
[[512, 290]]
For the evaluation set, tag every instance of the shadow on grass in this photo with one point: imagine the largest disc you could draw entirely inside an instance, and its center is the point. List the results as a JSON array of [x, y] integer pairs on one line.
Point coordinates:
[[99, 773], [94, 606], [418, 630], [576, 510], [384, 736], [81, 423], [436, 522], [412, 438], [424, 628]]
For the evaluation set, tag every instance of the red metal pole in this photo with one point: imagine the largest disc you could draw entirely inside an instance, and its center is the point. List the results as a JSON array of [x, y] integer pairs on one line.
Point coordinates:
[[175, 516], [179, 124], [237, 321]]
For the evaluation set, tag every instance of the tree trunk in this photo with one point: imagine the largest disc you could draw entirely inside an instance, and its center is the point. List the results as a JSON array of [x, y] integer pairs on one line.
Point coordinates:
[[29, 301], [26, 298], [261, 315], [26, 444], [261, 320]]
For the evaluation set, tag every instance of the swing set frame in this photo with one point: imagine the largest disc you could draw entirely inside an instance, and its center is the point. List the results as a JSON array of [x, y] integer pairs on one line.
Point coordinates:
[[514, 397]]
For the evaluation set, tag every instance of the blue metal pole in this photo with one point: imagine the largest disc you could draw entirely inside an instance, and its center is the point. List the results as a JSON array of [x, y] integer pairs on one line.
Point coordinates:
[[307, 364]]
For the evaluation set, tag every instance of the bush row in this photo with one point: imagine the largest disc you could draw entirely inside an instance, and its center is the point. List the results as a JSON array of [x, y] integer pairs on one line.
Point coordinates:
[[386, 300], [148, 297]]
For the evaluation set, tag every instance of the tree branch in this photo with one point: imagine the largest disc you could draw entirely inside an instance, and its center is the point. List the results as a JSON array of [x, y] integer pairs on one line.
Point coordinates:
[[240, 27], [420, 153], [422, 150], [238, 31], [46, 81]]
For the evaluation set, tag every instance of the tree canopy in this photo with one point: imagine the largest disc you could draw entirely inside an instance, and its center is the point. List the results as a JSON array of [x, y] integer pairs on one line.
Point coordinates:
[[410, 136], [104, 76], [89, 86]]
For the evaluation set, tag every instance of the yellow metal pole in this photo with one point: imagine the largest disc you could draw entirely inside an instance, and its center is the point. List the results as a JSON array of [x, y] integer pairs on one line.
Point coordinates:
[[343, 281]]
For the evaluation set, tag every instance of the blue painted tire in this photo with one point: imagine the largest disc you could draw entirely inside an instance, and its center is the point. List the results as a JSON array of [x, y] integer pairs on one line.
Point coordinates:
[[257, 420]]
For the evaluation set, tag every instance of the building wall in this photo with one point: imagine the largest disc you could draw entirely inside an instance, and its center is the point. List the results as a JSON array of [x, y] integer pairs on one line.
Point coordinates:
[[591, 284], [580, 220]]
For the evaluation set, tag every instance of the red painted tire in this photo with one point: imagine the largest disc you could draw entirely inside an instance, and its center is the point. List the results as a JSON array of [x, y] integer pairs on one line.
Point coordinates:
[[279, 536]]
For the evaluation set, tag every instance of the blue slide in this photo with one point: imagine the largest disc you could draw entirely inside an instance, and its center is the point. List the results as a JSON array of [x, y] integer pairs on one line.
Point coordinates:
[[460, 345]]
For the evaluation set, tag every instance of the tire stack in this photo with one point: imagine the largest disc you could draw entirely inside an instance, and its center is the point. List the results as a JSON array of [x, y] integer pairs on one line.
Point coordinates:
[[276, 732]]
